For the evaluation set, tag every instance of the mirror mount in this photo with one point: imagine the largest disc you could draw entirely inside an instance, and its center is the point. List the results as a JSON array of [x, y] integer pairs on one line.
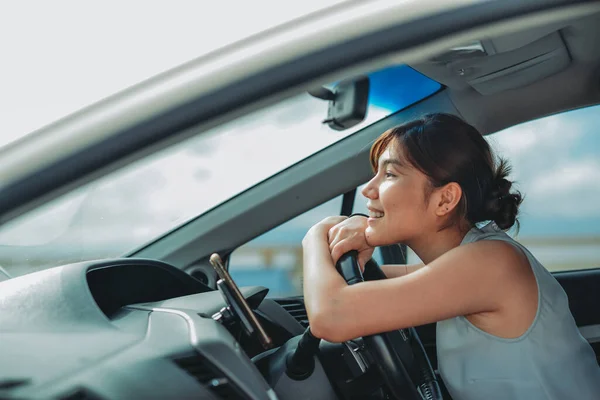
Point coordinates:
[[348, 101]]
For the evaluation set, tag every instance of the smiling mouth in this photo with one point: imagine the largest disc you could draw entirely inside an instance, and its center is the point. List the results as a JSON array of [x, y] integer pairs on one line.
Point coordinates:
[[375, 214]]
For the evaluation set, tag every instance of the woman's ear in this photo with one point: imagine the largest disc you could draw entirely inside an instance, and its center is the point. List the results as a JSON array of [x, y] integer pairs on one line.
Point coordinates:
[[448, 198]]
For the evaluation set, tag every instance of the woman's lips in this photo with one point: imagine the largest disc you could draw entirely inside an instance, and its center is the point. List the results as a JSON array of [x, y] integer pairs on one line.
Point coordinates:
[[375, 214], [372, 220]]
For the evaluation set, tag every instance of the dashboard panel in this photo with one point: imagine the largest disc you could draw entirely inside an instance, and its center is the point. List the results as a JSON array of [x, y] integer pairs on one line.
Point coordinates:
[[128, 328]]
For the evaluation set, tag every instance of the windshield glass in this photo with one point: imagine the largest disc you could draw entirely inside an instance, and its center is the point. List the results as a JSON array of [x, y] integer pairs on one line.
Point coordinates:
[[68, 54], [132, 206]]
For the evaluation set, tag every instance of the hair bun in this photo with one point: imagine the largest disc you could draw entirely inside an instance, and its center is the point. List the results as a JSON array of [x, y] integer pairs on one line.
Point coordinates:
[[502, 206]]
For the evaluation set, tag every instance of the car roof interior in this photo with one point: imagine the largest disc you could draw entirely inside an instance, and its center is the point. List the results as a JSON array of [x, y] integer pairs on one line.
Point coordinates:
[[524, 75], [520, 76]]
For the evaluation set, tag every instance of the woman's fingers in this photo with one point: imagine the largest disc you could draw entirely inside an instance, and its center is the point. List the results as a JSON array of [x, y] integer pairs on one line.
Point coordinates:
[[322, 227], [344, 246], [330, 222], [341, 248], [364, 256], [345, 234], [339, 233], [348, 227]]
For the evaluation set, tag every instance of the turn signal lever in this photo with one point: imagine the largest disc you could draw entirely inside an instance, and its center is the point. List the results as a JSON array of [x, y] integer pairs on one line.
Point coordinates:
[[300, 364]]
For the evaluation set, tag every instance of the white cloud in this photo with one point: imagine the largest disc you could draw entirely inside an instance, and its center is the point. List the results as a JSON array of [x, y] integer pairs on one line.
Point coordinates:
[[535, 138], [569, 191], [554, 164], [521, 139], [578, 174]]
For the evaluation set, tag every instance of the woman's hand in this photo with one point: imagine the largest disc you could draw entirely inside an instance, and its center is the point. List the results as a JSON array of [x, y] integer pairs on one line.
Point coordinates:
[[320, 230], [349, 234]]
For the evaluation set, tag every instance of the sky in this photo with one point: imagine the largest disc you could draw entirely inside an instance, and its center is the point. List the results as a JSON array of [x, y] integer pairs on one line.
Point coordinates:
[[66, 55], [555, 163]]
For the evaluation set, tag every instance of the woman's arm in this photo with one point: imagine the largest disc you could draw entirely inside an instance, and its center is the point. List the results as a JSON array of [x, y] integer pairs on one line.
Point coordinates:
[[469, 279], [398, 270], [319, 277]]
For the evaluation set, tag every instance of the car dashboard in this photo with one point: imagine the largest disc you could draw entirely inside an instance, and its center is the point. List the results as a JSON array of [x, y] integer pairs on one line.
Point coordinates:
[[129, 328]]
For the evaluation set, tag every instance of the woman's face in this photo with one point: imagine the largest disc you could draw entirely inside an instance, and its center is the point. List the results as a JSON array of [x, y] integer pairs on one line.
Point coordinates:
[[398, 210]]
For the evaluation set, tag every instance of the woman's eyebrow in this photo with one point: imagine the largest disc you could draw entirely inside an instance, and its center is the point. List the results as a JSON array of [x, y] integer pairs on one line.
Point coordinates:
[[392, 161]]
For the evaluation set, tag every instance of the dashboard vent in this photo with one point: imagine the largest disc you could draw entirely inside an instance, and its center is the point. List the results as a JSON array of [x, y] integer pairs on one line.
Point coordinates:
[[295, 307], [210, 377]]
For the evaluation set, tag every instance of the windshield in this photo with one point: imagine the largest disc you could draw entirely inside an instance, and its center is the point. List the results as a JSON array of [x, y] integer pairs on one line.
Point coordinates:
[[68, 54], [132, 206]]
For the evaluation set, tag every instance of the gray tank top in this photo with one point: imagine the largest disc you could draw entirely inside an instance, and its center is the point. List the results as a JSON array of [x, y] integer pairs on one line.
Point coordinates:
[[550, 361]]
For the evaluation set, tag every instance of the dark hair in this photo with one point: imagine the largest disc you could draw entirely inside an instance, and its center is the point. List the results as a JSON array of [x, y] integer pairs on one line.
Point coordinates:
[[447, 149]]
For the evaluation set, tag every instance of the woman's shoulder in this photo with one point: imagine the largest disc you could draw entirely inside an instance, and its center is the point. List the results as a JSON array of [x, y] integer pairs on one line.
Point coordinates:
[[493, 251], [498, 258]]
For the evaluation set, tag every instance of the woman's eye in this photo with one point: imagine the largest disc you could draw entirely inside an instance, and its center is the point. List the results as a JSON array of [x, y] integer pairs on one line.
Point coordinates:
[[389, 175]]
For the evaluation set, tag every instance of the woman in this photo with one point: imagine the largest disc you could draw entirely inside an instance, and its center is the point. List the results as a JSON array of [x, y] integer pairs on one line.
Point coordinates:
[[504, 327]]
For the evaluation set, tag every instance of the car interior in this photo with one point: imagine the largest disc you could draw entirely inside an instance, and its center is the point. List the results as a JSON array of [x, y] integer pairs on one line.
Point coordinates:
[[166, 321]]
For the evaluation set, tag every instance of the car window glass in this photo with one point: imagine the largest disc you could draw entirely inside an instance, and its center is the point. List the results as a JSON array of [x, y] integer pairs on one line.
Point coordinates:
[[274, 259], [555, 165]]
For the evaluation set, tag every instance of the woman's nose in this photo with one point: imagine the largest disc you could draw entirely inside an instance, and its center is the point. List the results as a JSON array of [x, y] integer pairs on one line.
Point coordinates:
[[370, 190]]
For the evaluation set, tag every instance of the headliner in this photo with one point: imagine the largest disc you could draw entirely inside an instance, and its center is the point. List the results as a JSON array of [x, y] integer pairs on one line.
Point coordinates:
[[575, 86]]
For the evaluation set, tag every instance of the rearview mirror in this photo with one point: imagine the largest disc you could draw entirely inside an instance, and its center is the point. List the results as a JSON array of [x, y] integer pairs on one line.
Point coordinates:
[[348, 102]]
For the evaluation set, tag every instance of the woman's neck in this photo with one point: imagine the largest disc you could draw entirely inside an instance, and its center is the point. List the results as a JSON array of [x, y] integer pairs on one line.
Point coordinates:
[[431, 246]]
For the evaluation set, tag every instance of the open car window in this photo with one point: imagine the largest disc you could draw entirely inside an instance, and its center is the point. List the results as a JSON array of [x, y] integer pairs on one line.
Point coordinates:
[[556, 163]]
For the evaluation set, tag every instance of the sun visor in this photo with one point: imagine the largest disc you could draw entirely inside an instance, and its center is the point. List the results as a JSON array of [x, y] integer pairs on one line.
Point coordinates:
[[513, 41], [493, 73]]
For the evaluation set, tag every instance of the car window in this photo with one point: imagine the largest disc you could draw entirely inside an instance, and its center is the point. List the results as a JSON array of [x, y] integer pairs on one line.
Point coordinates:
[[556, 161], [274, 259]]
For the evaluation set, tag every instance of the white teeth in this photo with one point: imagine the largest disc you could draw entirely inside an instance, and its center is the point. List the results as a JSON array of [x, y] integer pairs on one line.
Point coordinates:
[[375, 214]]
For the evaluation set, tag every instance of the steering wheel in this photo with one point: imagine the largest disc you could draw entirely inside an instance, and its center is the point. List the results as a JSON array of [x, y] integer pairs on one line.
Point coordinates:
[[399, 355]]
